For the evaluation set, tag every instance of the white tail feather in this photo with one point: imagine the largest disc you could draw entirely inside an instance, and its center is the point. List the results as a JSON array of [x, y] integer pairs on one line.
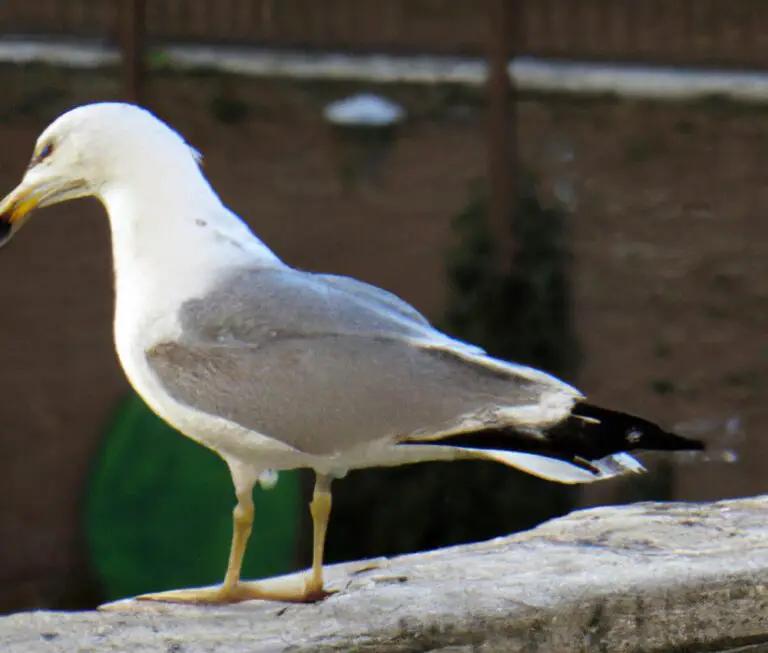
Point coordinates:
[[560, 471], [618, 464]]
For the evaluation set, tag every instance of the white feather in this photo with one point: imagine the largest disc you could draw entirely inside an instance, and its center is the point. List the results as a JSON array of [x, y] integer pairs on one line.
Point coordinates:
[[561, 471]]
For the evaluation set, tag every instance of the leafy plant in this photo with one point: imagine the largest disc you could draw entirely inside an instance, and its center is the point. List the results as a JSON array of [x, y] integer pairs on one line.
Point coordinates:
[[228, 110], [524, 314]]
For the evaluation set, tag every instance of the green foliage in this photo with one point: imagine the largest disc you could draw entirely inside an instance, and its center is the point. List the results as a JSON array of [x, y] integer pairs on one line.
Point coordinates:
[[524, 315], [228, 110], [158, 513], [158, 60]]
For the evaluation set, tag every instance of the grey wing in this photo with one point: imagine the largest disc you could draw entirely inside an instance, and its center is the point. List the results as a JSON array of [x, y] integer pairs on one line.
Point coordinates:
[[255, 305], [375, 296], [396, 309], [324, 395], [321, 371]]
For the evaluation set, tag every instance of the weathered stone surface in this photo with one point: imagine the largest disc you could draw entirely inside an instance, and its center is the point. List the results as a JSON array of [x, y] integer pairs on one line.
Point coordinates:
[[647, 577]]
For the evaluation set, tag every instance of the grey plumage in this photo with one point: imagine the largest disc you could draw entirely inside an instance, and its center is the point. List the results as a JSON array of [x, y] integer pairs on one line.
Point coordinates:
[[326, 363]]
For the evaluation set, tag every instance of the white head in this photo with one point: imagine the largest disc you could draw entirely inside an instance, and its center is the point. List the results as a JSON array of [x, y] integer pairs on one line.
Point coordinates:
[[91, 149]]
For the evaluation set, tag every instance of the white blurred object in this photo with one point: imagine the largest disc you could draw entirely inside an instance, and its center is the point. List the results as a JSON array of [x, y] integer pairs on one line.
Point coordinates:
[[722, 437], [364, 110], [268, 479], [365, 128]]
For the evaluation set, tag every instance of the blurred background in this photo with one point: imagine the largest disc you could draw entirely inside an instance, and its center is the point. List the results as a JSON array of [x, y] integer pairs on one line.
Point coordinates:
[[599, 213]]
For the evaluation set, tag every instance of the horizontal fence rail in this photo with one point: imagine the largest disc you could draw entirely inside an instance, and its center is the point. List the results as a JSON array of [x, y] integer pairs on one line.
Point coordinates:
[[678, 32]]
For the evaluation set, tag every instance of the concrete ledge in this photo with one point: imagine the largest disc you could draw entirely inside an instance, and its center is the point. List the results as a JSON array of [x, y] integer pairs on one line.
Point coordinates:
[[530, 74], [644, 578]]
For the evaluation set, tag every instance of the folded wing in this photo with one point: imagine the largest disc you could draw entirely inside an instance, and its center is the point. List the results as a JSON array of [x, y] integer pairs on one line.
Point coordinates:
[[326, 364]]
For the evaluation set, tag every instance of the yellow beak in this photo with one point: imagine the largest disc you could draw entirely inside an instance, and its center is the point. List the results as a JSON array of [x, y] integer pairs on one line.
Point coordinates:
[[19, 204]]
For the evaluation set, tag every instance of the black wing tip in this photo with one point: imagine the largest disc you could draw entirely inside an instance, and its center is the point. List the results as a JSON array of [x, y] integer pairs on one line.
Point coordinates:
[[687, 444], [590, 434], [638, 433]]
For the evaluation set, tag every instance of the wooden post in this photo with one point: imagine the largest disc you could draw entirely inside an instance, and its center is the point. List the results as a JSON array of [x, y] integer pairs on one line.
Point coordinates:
[[502, 146], [131, 38]]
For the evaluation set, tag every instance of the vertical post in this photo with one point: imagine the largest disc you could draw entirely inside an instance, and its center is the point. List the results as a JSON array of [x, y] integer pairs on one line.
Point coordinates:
[[131, 35], [502, 128]]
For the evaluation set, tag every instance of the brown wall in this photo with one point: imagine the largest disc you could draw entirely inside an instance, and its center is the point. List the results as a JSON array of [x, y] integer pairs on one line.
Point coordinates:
[[61, 380], [669, 32], [667, 230]]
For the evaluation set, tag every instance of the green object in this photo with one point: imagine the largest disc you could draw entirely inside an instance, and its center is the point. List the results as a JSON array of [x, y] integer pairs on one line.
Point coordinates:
[[158, 512]]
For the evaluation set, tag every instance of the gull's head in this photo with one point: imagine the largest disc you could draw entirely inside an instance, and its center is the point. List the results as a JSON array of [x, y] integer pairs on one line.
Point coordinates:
[[90, 149]]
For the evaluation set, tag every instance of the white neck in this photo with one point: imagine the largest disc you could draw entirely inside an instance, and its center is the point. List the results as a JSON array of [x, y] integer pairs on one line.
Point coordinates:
[[170, 238]]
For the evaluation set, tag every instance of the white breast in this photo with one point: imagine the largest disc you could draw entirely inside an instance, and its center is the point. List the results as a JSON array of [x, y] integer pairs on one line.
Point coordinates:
[[253, 450], [168, 248]]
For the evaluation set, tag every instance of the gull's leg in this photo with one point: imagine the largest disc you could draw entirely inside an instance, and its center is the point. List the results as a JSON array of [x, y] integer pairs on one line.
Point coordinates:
[[320, 508], [233, 590], [229, 590], [242, 524], [311, 587]]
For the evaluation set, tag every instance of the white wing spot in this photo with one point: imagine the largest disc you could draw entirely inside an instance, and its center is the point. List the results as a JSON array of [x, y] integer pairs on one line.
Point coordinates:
[[634, 436]]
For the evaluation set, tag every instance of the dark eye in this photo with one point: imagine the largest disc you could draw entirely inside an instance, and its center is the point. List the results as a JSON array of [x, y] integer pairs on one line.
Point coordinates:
[[43, 154]]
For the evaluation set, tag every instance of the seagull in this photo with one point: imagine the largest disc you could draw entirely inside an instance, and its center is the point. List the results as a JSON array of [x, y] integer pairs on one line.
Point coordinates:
[[274, 368]]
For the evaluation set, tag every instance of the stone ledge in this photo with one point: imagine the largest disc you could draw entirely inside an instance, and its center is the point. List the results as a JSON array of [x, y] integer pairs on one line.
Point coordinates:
[[644, 578]]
